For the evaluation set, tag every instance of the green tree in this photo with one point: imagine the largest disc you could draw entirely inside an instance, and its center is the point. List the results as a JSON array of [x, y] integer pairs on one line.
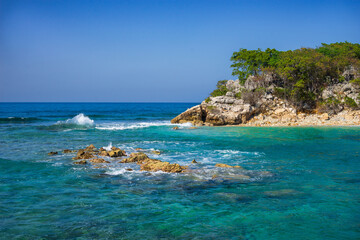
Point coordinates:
[[251, 62]]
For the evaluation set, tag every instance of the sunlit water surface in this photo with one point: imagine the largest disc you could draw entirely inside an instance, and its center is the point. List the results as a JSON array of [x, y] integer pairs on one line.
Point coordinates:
[[304, 182]]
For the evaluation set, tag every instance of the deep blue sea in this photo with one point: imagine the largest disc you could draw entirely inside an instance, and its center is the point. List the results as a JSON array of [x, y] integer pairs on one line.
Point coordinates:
[[303, 182]]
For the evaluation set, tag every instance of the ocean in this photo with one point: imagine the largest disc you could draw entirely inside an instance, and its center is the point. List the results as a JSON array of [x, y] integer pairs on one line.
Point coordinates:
[[301, 182]]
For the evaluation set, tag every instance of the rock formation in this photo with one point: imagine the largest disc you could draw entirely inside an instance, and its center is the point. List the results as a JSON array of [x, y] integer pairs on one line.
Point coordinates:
[[257, 103]]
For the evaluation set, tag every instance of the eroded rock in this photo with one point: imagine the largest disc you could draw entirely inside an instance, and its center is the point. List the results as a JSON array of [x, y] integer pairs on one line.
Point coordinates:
[[137, 157], [81, 162], [82, 154], [68, 151], [154, 165], [98, 160], [222, 165], [157, 152]]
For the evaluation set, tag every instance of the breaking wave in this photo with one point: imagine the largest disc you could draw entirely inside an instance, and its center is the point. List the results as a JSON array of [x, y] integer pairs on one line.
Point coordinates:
[[80, 121], [125, 126]]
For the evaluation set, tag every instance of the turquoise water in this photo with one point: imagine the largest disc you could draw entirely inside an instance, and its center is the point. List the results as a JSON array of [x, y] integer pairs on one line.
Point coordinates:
[[304, 181]]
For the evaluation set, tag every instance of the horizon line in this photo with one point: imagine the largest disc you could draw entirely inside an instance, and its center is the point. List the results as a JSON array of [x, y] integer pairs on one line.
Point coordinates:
[[98, 102]]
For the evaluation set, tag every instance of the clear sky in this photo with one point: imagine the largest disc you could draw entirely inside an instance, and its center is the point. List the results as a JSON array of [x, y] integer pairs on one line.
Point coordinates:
[[150, 51]]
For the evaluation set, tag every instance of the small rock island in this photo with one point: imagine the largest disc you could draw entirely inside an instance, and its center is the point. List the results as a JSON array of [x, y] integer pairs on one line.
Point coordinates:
[[300, 87]]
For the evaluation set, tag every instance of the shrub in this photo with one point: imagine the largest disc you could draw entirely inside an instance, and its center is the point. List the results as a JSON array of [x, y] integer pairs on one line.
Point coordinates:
[[356, 81], [252, 97], [349, 102], [238, 95], [207, 100], [330, 105], [221, 89], [210, 108]]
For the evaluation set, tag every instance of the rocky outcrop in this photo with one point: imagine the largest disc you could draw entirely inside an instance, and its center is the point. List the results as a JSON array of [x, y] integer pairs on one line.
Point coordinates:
[[257, 103], [222, 165], [195, 115], [81, 162], [98, 160], [224, 172], [154, 165], [82, 154], [137, 157]]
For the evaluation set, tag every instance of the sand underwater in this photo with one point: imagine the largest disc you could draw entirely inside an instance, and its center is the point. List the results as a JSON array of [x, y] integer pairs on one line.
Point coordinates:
[[302, 182]]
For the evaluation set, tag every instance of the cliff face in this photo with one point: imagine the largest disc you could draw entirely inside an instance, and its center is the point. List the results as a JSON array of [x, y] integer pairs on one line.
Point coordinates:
[[256, 104]]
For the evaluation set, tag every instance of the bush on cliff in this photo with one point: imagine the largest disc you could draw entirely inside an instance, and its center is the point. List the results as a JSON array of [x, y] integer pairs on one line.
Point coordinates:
[[221, 89], [303, 72]]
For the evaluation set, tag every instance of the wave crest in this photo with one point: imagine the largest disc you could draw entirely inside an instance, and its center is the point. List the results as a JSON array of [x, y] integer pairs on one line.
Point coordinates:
[[79, 122], [125, 126], [79, 119]]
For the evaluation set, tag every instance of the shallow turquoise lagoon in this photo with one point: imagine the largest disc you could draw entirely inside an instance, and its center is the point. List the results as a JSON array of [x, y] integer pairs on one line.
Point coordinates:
[[303, 182]]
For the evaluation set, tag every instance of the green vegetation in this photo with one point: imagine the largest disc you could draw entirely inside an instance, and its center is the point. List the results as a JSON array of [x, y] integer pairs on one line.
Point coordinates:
[[238, 95], [356, 81], [302, 73], [210, 108], [252, 62], [350, 103], [330, 105], [221, 89]]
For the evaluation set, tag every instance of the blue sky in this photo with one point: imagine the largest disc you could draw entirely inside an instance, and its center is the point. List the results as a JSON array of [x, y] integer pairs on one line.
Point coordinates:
[[150, 51]]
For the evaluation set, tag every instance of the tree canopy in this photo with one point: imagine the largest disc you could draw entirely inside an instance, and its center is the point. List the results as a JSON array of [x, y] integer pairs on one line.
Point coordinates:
[[303, 72]]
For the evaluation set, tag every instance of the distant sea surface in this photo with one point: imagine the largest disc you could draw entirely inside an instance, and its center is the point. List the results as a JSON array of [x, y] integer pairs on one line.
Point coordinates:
[[302, 182]]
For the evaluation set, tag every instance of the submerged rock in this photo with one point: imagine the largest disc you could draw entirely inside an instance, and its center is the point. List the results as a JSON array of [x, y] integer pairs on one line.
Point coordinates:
[[233, 197], [52, 153], [282, 193], [81, 162], [68, 151], [157, 152], [99, 160], [222, 165], [237, 177], [175, 128]]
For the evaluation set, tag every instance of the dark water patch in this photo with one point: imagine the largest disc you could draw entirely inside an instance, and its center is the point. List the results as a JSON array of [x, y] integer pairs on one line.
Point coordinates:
[[19, 120], [64, 126], [351, 137]]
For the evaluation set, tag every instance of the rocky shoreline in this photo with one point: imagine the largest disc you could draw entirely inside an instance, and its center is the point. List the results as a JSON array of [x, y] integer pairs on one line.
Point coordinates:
[[255, 104], [103, 158]]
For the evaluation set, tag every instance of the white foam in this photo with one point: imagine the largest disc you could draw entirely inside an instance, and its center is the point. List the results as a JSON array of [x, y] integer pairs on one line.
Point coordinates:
[[124, 126], [108, 147], [116, 172], [79, 119]]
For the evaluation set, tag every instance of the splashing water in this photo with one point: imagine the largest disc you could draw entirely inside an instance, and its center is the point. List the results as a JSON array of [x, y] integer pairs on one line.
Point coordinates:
[[80, 119], [108, 147]]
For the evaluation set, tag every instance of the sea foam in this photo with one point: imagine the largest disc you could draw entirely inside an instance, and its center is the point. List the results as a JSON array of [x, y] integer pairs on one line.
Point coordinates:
[[108, 147], [124, 126], [79, 119]]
